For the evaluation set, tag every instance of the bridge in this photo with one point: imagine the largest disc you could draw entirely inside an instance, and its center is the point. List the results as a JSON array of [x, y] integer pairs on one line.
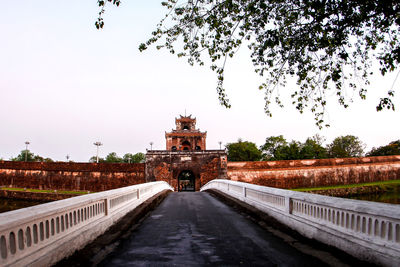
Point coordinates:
[[197, 229]]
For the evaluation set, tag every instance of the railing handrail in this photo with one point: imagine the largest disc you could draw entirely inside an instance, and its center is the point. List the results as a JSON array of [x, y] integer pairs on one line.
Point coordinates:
[[368, 207], [21, 216], [44, 233], [374, 227]]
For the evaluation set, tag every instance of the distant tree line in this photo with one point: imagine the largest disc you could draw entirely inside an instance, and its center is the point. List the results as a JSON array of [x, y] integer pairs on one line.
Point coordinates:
[[274, 148], [27, 155], [278, 148], [112, 157]]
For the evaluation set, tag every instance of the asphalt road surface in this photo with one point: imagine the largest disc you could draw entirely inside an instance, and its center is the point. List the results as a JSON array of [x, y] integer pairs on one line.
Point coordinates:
[[195, 229]]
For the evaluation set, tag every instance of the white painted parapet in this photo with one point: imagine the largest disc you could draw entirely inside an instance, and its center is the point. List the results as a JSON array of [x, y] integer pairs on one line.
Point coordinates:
[[364, 229], [44, 234]]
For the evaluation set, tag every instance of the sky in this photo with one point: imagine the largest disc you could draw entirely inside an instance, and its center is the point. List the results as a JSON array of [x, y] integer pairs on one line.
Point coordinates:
[[65, 85]]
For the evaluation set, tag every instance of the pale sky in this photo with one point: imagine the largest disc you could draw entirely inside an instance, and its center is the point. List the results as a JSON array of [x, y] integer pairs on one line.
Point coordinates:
[[65, 85]]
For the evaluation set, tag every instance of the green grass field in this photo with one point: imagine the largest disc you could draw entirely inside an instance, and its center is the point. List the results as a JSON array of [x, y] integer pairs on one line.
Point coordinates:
[[381, 183], [44, 191]]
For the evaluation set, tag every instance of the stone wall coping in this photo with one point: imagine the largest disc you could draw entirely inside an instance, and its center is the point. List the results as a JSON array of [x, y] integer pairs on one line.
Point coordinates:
[[73, 166], [308, 163]]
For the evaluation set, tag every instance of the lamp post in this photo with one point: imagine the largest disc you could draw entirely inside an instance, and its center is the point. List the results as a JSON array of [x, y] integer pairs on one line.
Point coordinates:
[[26, 150], [220, 143], [151, 146], [97, 153]]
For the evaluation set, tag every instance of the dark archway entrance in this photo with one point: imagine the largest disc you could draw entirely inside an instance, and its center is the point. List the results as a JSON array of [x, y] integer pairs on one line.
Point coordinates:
[[186, 181]]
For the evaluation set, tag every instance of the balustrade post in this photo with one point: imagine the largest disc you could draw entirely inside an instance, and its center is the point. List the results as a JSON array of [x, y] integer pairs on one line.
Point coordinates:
[[288, 205], [106, 207]]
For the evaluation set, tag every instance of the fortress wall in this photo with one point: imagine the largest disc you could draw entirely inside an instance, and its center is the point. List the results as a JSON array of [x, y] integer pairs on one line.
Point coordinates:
[[70, 176], [281, 174], [315, 173]]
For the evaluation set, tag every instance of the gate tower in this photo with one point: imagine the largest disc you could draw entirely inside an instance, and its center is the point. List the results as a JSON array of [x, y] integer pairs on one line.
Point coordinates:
[[185, 136], [186, 164]]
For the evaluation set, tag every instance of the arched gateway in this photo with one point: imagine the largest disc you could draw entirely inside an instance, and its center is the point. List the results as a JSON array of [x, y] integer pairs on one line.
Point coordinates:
[[186, 164], [186, 181]]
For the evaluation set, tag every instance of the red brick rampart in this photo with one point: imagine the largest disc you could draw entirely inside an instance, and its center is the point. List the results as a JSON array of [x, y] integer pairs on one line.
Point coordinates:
[[314, 173], [282, 174], [70, 176]]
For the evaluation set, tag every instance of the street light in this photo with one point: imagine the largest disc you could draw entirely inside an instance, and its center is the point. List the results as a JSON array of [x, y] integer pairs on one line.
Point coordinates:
[[220, 143], [97, 153], [151, 145], [26, 150]]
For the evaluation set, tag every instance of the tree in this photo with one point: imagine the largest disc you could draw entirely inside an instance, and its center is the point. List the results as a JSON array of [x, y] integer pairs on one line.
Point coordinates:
[[30, 157], [25, 154], [41, 159], [312, 149], [323, 44], [113, 158], [345, 147], [94, 160], [277, 148], [243, 151], [289, 152], [393, 148], [136, 158], [272, 147]]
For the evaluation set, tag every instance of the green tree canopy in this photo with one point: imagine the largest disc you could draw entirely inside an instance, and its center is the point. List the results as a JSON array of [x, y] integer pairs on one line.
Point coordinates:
[[113, 158], [134, 158], [272, 147], [243, 151], [345, 147], [127, 158], [94, 159], [277, 148], [312, 149], [393, 148], [289, 152], [30, 157], [323, 44]]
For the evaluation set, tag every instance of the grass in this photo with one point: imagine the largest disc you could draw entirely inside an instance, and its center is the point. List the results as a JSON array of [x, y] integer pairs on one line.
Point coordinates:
[[44, 191], [391, 182]]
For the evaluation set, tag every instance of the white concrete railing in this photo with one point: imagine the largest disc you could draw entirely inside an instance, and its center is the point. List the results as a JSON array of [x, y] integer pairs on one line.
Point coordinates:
[[367, 230], [44, 234]]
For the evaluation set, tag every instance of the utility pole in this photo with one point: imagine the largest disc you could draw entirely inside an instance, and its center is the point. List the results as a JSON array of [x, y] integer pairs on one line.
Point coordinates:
[[220, 143], [26, 150], [151, 146], [97, 153]]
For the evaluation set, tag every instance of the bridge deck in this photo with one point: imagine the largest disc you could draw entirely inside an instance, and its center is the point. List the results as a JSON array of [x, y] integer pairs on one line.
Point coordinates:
[[196, 229]]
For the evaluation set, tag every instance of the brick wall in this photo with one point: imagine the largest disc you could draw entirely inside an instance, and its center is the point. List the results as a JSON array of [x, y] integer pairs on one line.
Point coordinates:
[[313, 173], [70, 176], [283, 174]]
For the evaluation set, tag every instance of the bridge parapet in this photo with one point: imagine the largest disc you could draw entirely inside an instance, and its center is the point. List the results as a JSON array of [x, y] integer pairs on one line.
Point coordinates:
[[367, 230], [44, 234]]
